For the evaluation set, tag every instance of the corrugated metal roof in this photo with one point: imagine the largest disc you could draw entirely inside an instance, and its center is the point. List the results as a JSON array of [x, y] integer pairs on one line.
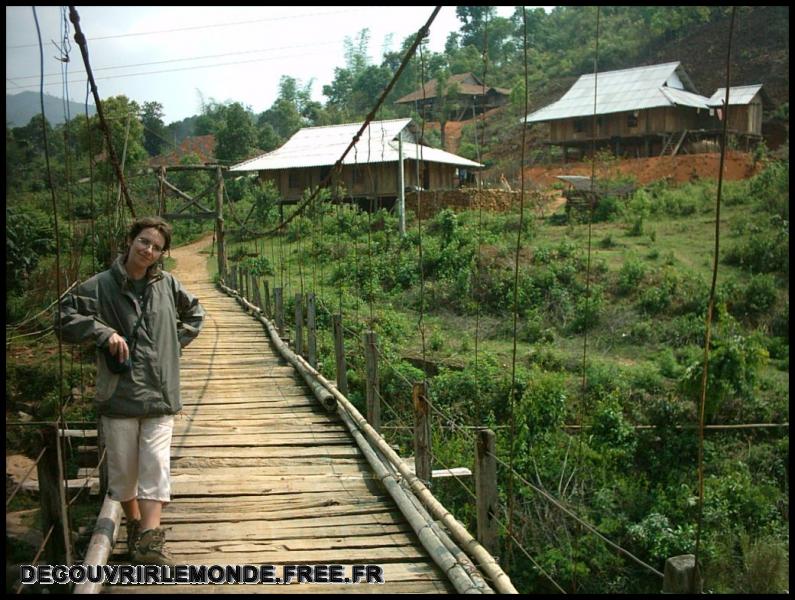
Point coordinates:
[[742, 94], [322, 146], [468, 84], [624, 90]]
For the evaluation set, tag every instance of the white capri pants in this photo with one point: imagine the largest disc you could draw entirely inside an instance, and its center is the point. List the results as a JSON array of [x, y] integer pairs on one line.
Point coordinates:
[[139, 457]]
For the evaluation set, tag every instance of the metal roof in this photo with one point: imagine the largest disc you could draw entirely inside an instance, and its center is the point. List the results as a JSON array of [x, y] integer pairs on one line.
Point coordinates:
[[468, 84], [742, 94], [323, 146], [624, 90]]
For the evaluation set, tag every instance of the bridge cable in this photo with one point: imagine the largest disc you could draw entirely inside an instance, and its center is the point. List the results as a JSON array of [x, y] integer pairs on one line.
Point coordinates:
[[480, 143], [419, 160], [57, 269], [421, 34], [587, 315], [512, 389], [711, 306], [81, 41]]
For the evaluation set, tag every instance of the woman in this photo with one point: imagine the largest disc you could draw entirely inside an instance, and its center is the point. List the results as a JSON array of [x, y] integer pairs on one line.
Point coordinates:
[[141, 317]]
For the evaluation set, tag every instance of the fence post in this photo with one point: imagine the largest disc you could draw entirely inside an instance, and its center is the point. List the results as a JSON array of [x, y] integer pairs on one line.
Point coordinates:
[[373, 400], [52, 498], [311, 328], [233, 277], [339, 353], [257, 296], [103, 466], [681, 575], [422, 433], [267, 306], [219, 223], [277, 299], [486, 489], [299, 325]]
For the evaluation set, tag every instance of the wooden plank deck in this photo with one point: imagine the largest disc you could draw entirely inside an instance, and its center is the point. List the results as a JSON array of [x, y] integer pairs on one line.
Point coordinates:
[[262, 474]]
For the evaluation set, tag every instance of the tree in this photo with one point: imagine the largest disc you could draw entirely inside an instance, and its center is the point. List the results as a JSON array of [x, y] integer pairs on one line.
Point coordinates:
[[237, 136], [154, 128]]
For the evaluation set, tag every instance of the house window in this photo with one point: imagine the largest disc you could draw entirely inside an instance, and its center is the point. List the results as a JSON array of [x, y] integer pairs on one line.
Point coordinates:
[[357, 176], [579, 125], [632, 119], [295, 179]]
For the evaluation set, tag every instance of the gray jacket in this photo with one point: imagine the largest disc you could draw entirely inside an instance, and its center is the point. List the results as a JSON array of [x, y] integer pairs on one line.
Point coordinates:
[[105, 304]]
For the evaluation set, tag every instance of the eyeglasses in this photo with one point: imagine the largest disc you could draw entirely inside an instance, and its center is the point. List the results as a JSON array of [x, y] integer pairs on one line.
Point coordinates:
[[146, 243]]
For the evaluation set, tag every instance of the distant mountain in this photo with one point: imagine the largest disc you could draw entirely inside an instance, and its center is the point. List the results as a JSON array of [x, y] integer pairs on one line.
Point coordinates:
[[22, 107]]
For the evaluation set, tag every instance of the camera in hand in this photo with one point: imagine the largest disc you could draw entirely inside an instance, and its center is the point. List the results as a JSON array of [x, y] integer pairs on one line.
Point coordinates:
[[113, 362]]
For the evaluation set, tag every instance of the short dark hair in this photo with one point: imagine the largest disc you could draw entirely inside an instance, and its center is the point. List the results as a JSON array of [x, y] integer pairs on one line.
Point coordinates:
[[145, 223]]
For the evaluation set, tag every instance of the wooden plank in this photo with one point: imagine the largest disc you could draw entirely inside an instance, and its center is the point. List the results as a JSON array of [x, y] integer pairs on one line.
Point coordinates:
[[265, 452], [262, 439]]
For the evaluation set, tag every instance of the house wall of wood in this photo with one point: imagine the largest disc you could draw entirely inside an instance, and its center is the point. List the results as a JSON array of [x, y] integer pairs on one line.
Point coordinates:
[[746, 118], [631, 124], [380, 179]]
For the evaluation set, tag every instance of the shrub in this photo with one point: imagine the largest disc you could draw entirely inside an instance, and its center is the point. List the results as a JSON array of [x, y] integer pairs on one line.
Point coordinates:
[[543, 402], [758, 297], [631, 275], [765, 252]]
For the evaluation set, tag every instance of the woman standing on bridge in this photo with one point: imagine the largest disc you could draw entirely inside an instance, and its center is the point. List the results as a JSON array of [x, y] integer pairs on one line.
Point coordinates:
[[139, 317]]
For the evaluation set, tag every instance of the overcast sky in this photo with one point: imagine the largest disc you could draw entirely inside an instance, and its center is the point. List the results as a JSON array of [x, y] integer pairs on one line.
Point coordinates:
[[170, 54]]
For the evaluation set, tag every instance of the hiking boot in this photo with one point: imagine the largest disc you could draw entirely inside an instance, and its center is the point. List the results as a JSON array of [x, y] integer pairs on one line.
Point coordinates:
[[151, 549], [133, 534]]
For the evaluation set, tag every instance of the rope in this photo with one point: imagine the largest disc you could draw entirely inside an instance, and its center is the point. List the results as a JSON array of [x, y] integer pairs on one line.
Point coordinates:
[[591, 200], [418, 154], [710, 308], [337, 168], [577, 519], [512, 391], [38, 554], [25, 476], [89, 476], [81, 41]]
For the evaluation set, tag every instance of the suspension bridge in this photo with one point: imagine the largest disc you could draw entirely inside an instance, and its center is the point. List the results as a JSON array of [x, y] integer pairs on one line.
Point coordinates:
[[265, 473], [273, 465]]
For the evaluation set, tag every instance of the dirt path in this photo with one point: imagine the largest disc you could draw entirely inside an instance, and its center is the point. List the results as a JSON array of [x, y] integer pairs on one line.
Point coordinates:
[[191, 262]]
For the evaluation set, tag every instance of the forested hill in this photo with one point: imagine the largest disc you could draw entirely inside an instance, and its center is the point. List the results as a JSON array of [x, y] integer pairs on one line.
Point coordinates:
[[560, 48]]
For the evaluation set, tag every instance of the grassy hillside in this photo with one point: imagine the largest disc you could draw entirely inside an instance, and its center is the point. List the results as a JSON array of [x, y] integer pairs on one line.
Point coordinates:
[[642, 304]]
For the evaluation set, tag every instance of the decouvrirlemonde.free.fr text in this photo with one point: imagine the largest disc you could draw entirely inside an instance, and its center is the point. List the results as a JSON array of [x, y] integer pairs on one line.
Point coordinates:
[[200, 574]]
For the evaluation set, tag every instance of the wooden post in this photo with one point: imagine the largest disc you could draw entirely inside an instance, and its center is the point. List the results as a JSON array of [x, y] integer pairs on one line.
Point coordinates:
[[486, 489], [161, 195], [103, 467], [267, 306], [422, 433], [373, 400], [401, 189], [52, 498], [257, 299], [311, 328], [681, 575], [219, 223], [299, 325], [277, 299], [339, 352]]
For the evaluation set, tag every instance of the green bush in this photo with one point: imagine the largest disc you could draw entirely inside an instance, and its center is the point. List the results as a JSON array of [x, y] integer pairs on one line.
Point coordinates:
[[630, 275], [767, 251], [543, 402]]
